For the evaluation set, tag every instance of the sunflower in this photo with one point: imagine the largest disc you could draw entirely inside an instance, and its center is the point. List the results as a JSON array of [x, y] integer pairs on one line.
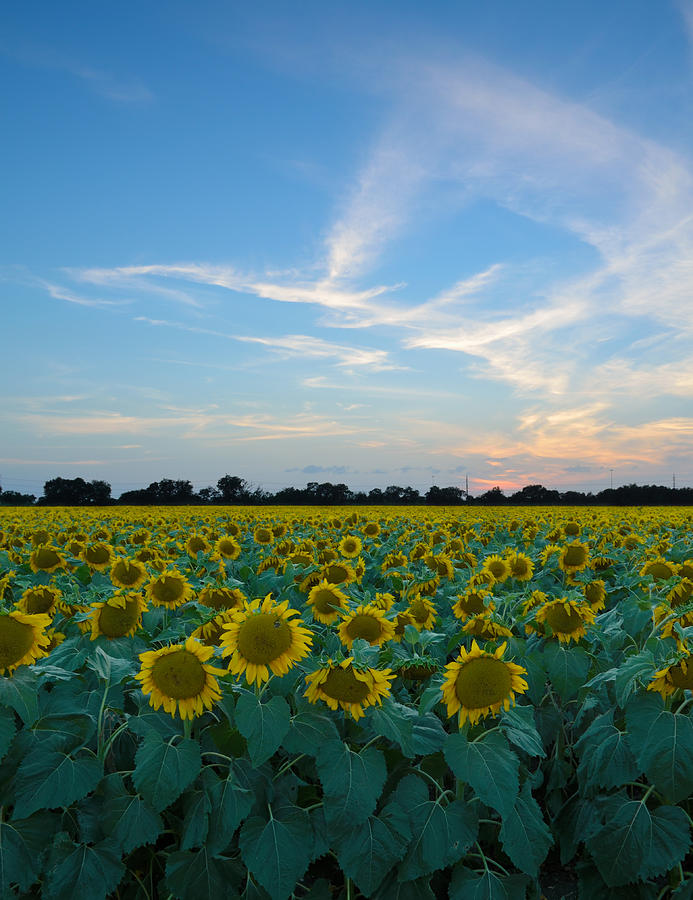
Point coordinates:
[[384, 601], [566, 618], [340, 684], [422, 611], [497, 566], [263, 638], [673, 677], [481, 579], [602, 563], [366, 622], [485, 627], [686, 569], [120, 616], [152, 557], [128, 573], [40, 536], [46, 558], [338, 573], [270, 562], [659, 568], [195, 544], [326, 601], [178, 677], [595, 594], [371, 529], [440, 565], [170, 589], [5, 578], [228, 548], [418, 669], [220, 598], [394, 561], [327, 555], [39, 600], [478, 684], [403, 619], [98, 556], [211, 632], [263, 535], [472, 603], [574, 557], [572, 529], [521, 567], [548, 551], [23, 639]]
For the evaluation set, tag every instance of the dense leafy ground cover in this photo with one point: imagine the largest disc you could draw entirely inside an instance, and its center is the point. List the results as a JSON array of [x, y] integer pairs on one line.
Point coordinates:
[[409, 703]]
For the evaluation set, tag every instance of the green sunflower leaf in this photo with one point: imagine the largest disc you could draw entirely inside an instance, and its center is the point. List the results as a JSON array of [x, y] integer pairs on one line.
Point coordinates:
[[392, 889], [8, 730], [662, 743], [488, 765], [469, 885], [19, 865], [308, 731], [20, 693], [622, 846], [391, 721], [131, 822], [605, 756], [441, 835], [263, 725], [277, 850], [196, 822], [200, 876], [567, 667], [517, 724], [352, 782], [671, 841], [368, 852], [163, 770], [230, 804], [524, 834], [97, 871], [48, 779]]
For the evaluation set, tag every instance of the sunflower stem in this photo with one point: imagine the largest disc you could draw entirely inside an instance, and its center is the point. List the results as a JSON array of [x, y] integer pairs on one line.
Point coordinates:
[[187, 728], [348, 888]]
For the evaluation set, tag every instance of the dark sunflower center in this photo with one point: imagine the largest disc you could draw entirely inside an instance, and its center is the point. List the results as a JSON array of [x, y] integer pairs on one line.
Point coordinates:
[[497, 568], [179, 675], [681, 679], [350, 545], [40, 537], [562, 621], [114, 621], [219, 598], [366, 627], [681, 593], [342, 684], [336, 574], [263, 638], [46, 558], [594, 593], [263, 535], [326, 602], [575, 556], [126, 573], [659, 571], [227, 548], [483, 682], [519, 567], [16, 639], [419, 611], [168, 589], [195, 544], [40, 600], [473, 604], [97, 555]]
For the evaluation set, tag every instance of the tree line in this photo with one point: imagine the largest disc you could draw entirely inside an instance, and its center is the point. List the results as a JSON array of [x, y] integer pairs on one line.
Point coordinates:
[[232, 490]]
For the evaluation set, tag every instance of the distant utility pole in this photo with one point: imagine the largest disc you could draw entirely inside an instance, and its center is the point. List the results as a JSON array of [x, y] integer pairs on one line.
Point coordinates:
[[466, 484], [611, 478], [673, 481]]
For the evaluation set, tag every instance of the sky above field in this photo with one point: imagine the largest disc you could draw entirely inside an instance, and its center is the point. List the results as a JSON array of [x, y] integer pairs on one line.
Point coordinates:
[[366, 242]]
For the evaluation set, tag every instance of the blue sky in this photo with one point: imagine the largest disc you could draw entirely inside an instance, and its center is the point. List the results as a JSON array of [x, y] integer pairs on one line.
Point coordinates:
[[372, 242]]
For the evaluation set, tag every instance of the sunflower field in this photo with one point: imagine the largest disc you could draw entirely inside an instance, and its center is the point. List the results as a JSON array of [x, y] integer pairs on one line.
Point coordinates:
[[343, 703]]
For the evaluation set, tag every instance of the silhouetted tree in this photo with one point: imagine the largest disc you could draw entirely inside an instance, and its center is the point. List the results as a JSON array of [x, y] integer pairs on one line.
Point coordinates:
[[535, 495], [15, 498], [232, 489], [75, 492], [447, 496]]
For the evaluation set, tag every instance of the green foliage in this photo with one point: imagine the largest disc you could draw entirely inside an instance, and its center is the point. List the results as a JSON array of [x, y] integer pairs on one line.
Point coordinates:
[[163, 769], [662, 743], [49, 779], [524, 834], [277, 849], [488, 765], [263, 725], [97, 871], [351, 781]]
